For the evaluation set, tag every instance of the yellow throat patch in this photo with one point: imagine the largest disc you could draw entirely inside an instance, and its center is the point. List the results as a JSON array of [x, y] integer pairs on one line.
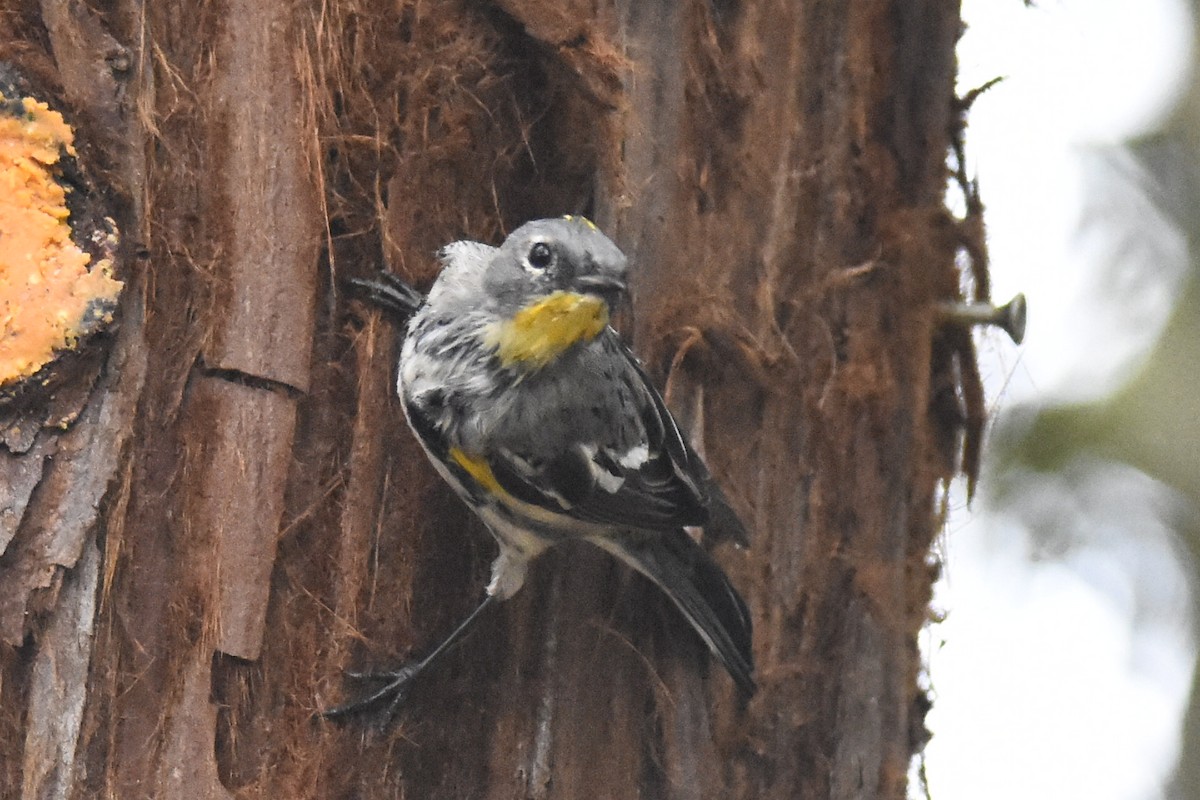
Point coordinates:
[[541, 331]]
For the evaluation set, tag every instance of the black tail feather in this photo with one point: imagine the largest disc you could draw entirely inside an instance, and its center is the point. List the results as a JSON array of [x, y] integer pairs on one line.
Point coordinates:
[[723, 522], [699, 588]]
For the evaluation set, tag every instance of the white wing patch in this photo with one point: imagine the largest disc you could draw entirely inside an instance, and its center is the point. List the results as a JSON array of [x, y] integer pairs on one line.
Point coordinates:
[[635, 457], [530, 474], [604, 479]]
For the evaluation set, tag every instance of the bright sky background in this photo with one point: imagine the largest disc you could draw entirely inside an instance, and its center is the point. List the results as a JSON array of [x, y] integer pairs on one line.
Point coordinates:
[[1066, 677]]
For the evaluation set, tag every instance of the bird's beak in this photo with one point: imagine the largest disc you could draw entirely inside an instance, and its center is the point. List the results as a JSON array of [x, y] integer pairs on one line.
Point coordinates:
[[609, 287]]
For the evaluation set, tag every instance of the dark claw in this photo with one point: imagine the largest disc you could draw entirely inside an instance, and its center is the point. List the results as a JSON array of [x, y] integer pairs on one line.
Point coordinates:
[[395, 690], [386, 675], [399, 681], [389, 292]]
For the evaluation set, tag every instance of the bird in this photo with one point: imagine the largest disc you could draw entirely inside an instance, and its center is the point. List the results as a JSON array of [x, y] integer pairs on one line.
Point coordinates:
[[533, 409]]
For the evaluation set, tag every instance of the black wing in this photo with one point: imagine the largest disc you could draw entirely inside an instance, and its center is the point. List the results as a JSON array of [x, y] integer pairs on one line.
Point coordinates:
[[658, 484], [723, 522]]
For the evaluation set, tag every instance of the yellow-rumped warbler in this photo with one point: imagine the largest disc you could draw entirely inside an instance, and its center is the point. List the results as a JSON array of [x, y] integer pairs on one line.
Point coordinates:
[[545, 424]]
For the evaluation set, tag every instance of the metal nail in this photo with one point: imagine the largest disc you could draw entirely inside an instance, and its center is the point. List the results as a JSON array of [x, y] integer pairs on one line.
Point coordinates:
[[1009, 317]]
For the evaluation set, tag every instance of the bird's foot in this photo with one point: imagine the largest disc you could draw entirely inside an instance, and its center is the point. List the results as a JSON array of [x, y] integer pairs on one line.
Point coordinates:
[[389, 696]]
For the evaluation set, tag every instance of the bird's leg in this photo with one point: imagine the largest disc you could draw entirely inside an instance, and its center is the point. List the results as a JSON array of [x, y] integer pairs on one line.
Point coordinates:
[[399, 680]]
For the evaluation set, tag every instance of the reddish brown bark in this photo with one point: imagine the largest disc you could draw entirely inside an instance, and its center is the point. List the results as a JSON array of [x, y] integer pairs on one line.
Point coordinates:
[[776, 172]]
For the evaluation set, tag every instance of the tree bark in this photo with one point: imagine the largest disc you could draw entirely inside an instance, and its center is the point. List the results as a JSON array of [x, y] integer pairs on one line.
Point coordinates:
[[776, 172]]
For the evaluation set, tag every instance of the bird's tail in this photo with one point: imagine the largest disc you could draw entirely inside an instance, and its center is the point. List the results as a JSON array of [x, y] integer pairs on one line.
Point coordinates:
[[699, 588]]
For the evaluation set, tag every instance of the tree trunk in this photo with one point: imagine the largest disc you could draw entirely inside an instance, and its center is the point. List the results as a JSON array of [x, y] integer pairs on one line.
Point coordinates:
[[776, 172]]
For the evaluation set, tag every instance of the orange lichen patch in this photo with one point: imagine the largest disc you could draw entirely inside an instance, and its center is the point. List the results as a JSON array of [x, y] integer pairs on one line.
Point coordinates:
[[48, 296]]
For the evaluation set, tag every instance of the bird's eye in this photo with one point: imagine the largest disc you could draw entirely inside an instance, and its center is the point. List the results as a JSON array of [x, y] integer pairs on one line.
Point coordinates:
[[540, 256]]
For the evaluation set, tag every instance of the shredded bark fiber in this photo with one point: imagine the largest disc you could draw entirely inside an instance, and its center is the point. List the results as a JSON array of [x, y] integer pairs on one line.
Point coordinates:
[[265, 522]]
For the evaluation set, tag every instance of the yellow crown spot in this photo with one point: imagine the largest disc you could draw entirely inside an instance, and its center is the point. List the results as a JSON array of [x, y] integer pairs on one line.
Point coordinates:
[[543, 330], [584, 220]]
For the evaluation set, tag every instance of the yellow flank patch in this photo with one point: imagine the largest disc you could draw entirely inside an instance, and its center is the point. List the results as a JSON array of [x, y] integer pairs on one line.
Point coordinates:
[[478, 469], [543, 330], [482, 474]]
